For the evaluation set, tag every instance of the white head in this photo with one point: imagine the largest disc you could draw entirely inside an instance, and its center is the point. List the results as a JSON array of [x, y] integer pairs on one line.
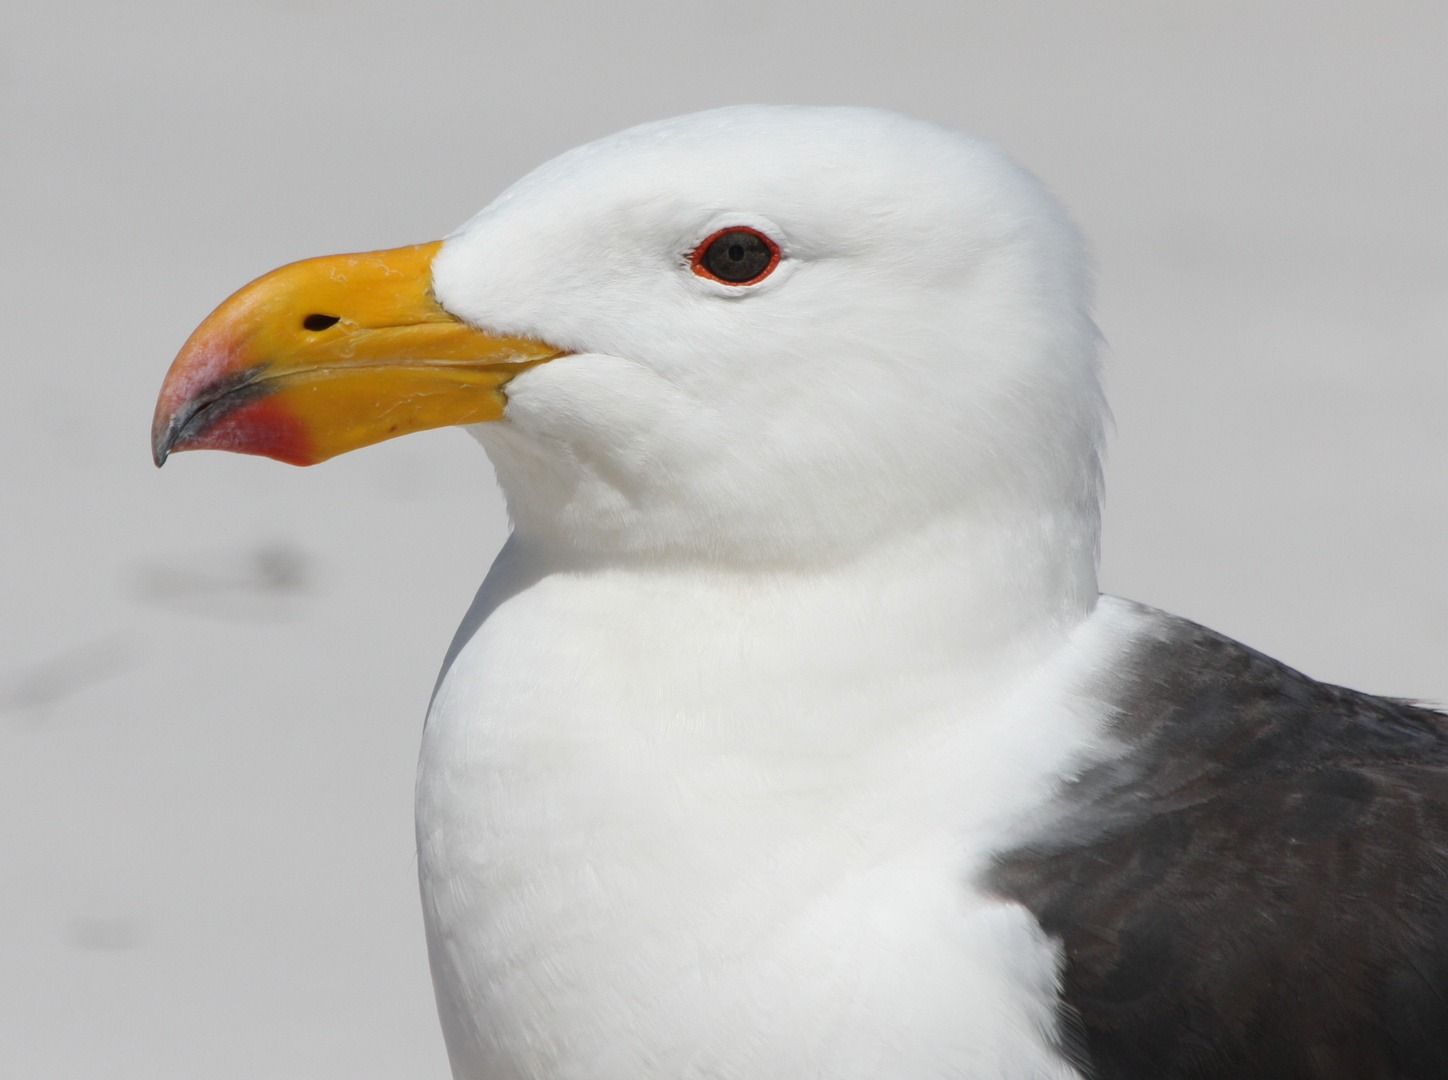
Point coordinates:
[[923, 350], [904, 352]]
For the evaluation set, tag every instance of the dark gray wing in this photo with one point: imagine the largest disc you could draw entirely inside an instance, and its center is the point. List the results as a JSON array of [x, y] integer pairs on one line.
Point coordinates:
[[1258, 886]]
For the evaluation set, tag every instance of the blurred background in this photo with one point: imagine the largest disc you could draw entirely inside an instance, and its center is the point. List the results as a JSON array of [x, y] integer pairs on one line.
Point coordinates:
[[212, 678]]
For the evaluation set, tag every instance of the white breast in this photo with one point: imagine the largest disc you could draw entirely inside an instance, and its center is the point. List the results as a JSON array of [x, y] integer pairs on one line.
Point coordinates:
[[677, 825]]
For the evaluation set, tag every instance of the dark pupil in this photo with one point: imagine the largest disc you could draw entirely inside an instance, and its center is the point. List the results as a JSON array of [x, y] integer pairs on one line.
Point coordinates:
[[737, 256]]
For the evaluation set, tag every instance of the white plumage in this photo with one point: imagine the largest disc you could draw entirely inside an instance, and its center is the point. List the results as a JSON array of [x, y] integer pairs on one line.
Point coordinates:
[[788, 735], [798, 618]]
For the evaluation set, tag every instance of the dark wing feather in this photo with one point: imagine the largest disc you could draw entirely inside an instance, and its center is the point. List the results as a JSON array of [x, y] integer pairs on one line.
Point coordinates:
[[1258, 886]]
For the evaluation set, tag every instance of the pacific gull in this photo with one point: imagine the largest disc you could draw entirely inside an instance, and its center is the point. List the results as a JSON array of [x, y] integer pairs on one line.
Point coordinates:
[[789, 736]]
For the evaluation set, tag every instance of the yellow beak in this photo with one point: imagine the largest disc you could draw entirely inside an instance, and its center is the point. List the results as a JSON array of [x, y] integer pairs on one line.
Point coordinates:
[[327, 355]]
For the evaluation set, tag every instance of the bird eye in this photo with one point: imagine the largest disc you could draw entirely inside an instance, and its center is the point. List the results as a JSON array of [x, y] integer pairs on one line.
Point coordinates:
[[737, 256]]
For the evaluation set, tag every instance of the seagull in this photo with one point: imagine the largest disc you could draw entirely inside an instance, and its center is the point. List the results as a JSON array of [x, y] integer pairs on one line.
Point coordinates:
[[789, 735]]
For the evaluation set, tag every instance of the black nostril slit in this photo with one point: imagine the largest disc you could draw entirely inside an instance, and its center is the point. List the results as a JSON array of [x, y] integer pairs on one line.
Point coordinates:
[[321, 322]]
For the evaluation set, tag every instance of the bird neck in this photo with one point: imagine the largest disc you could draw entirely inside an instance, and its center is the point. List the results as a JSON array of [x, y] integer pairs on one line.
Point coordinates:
[[991, 593]]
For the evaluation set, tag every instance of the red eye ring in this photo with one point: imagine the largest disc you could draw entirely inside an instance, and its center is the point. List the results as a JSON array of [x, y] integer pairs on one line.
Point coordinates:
[[736, 255]]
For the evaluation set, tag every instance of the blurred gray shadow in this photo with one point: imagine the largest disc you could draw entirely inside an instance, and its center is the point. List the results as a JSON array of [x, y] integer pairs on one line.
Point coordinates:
[[269, 582], [42, 685]]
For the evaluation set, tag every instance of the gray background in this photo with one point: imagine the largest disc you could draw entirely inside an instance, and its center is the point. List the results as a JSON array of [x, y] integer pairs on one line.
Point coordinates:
[[212, 678]]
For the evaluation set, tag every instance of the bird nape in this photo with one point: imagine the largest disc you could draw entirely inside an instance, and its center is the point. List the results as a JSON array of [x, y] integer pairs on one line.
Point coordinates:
[[788, 735]]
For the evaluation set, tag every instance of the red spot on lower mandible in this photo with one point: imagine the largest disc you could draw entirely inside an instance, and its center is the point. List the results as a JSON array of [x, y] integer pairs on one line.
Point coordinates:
[[264, 427]]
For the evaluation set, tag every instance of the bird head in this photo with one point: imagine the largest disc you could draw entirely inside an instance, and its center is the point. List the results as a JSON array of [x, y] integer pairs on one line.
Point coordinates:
[[752, 335]]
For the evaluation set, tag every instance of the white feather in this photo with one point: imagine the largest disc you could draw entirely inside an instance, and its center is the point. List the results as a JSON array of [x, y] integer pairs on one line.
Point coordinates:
[[798, 617]]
